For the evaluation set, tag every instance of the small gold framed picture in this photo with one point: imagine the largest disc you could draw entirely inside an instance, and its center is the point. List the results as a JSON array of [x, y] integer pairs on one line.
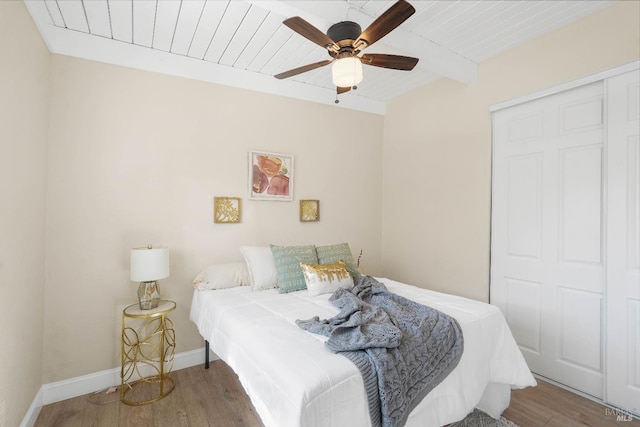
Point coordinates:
[[227, 210], [309, 210]]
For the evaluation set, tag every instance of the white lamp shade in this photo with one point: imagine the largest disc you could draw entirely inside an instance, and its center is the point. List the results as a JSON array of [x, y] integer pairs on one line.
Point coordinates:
[[149, 264], [346, 72]]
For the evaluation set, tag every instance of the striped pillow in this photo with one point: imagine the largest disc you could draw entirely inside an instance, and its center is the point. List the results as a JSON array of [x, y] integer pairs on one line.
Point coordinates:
[[287, 260], [331, 254]]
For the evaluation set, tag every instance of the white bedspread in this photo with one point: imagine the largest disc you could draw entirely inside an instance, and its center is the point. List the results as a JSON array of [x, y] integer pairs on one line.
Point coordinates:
[[294, 381]]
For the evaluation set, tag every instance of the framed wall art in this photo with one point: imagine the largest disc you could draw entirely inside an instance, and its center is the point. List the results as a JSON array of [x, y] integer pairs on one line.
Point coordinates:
[[270, 176], [227, 210], [309, 210]]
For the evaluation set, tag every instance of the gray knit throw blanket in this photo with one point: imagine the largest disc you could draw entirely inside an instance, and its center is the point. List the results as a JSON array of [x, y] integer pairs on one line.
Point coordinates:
[[403, 349]]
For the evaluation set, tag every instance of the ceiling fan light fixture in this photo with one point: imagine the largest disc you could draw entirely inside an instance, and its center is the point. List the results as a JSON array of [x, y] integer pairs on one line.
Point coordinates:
[[347, 72]]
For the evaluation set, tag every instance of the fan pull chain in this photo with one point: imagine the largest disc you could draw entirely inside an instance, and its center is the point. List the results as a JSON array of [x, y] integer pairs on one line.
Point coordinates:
[[337, 101]]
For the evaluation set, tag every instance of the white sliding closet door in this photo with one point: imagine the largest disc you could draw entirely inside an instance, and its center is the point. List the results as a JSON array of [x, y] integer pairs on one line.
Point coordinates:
[[623, 242], [547, 248]]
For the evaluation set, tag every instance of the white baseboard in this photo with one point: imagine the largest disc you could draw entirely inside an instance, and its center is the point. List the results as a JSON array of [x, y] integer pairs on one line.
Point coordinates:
[[31, 416], [91, 383]]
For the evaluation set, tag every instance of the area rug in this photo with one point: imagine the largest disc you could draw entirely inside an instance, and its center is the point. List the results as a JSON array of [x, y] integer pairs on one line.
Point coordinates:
[[480, 419]]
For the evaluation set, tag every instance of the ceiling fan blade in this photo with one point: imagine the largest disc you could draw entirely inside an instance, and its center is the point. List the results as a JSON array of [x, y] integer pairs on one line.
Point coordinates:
[[310, 32], [395, 62], [384, 24], [303, 69], [341, 90]]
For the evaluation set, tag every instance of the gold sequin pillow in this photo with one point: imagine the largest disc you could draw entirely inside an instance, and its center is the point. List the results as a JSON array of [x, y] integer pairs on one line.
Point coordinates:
[[326, 278]]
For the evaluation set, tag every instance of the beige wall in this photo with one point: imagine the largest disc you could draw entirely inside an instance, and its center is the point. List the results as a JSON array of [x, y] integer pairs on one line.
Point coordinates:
[[137, 157], [24, 71], [437, 150]]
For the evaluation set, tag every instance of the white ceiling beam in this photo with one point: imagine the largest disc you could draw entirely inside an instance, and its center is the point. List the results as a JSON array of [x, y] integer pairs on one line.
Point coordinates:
[[101, 49]]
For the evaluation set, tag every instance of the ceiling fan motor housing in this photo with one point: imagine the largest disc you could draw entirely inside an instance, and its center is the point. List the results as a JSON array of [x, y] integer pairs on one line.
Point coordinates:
[[344, 33]]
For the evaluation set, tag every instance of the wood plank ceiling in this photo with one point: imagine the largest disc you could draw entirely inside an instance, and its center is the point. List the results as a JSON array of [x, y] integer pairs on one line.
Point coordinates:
[[243, 43]]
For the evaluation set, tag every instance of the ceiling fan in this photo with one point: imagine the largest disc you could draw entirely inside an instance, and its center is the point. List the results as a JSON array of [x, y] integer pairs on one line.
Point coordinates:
[[345, 40]]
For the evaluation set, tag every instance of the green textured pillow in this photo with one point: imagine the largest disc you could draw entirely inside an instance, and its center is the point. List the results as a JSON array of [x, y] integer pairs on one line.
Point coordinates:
[[331, 254], [287, 260]]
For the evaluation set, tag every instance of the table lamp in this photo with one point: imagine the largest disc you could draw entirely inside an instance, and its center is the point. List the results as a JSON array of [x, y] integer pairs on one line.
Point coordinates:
[[148, 265]]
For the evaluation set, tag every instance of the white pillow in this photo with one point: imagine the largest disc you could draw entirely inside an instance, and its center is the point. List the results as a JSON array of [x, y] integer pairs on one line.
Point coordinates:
[[326, 278], [261, 266], [221, 276]]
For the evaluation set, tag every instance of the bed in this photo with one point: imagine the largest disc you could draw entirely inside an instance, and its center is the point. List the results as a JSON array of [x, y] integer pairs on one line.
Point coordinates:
[[293, 380]]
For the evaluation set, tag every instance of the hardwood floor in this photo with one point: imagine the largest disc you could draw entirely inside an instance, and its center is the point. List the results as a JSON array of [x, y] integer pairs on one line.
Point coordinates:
[[550, 406], [214, 397], [202, 397]]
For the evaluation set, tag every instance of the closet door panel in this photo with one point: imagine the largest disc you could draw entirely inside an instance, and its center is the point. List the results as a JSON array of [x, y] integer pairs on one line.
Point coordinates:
[[580, 115], [524, 179], [634, 348], [579, 362], [526, 128], [573, 279], [546, 260], [580, 196], [517, 265], [623, 251], [524, 313], [581, 330], [565, 247]]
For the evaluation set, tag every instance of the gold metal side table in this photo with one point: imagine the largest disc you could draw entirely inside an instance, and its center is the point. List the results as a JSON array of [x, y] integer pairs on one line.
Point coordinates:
[[148, 348]]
